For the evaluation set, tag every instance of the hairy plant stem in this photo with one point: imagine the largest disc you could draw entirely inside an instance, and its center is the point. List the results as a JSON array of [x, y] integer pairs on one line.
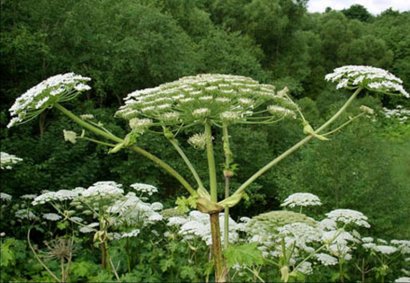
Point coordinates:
[[134, 148], [219, 264], [227, 174], [211, 162], [104, 256], [275, 161]]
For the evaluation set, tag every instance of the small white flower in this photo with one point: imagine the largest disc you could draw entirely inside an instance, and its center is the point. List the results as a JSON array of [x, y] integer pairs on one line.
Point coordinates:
[[5, 197], [28, 196], [89, 228], [198, 141], [402, 280], [403, 245], [301, 199], [385, 249], [348, 216], [366, 110], [131, 234], [55, 89], [170, 117], [61, 195], [305, 268], [76, 219], [70, 136], [25, 214], [326, 259], [156, 206], [372, 78], [87, 117], [197, 225], [367, 239], [281, 111], [201, 113], [140, 125], [6, 160], [103, 189], [144, 188], [231, 116], [155, 217], [51, 216], [369, 246]]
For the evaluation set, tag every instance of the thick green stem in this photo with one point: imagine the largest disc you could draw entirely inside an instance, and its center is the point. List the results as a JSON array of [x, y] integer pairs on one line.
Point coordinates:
[[296, 146], [220, 268], [219, 264], [86, 125], [187, 162], [134, 148], [211, 162]]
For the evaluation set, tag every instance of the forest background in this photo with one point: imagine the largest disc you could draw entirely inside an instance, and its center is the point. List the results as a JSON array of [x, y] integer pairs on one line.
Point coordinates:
[[127, 45]]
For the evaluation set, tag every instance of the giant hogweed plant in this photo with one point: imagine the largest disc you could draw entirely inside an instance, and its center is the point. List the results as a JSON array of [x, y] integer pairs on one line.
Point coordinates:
[[211, 103]]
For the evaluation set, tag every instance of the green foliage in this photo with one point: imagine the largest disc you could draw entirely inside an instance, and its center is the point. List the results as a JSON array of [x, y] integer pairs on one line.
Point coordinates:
[[127, 45], [358, 12], [244, 254]]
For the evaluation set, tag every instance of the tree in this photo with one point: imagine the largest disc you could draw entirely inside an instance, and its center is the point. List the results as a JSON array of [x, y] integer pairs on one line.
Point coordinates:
[[358, 12]]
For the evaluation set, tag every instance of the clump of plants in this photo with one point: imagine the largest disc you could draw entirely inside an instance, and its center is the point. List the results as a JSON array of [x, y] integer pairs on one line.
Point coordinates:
[[205, 104]]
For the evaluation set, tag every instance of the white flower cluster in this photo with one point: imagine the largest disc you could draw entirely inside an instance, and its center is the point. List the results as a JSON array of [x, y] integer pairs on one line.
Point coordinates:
[[381, 246], [400, 113], [104, 189], [197, 225], [295, 236], [218, 97], [299, 235], [339, 242], [348, 216], [59, 88], [301, 199], [371, 78], [131, 210], [7, 160], [131, 234], [5, 197], [402, 245], [198, 141], [90, 227], [61, 195], [144, 188], [326, 259], [384, 249], [28, 196], [23, 214], [52, 216]]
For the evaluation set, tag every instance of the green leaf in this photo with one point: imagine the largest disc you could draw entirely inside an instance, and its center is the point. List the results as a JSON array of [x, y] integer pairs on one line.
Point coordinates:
[[165, 264], [185, 204], [246, 254], [7, 256], [83, 268], [62, 225]]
